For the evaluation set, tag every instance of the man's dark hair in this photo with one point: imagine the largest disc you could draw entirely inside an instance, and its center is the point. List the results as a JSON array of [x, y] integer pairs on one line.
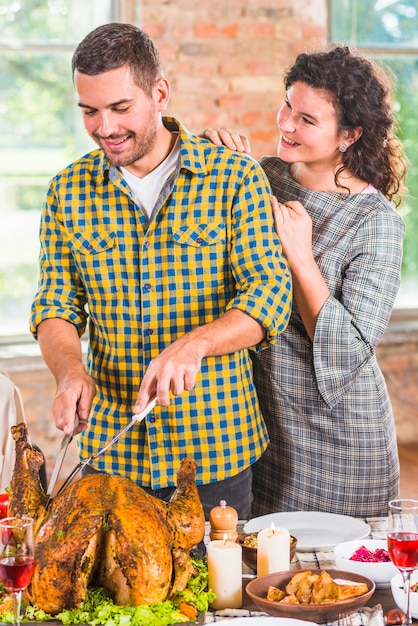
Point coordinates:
[[116, 44]]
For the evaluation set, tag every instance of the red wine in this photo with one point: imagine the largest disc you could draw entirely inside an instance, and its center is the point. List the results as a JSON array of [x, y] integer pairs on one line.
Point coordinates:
[[403, 549], [16, 572]]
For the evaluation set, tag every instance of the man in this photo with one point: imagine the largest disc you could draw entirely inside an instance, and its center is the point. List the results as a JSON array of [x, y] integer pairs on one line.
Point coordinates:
[[165, 244]]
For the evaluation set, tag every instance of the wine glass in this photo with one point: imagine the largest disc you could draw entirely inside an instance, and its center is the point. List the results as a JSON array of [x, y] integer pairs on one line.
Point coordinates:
[[403, 543], [17, 558]]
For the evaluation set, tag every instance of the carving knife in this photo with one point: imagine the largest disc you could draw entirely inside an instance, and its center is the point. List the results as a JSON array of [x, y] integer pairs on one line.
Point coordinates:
[[135, 419], [60, 458]]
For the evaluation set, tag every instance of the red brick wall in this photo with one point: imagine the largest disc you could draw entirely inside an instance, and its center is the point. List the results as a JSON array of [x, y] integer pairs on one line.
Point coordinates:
[[398, 358], [225, 58]]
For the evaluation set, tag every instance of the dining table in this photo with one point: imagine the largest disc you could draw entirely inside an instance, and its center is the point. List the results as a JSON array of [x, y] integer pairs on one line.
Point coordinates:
[[371, 615]]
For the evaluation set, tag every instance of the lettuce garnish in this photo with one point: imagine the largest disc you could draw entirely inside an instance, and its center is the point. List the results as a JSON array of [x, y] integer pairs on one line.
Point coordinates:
[[99, 609]]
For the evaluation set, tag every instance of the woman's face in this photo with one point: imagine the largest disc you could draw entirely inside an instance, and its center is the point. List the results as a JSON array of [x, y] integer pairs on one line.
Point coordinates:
[[307, 123]]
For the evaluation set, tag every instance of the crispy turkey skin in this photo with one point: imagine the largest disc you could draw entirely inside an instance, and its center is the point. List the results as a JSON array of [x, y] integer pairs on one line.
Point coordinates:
[[106, 531]]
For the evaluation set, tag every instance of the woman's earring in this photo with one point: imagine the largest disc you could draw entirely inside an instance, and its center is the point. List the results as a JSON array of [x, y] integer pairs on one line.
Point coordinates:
[[343, 147]]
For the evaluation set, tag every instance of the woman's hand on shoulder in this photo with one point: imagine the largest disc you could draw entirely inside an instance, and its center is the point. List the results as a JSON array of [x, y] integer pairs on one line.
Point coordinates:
[[226, 137]]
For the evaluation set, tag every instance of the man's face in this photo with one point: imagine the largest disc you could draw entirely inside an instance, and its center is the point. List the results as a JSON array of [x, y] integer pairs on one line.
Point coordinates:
[[121, 118]]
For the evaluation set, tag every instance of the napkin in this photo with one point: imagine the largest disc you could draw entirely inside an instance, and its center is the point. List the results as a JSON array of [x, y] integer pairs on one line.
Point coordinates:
[[365, 617]]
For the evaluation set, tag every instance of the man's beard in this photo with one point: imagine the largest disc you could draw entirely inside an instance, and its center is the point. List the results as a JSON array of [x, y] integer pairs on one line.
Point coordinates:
[[139, 149]]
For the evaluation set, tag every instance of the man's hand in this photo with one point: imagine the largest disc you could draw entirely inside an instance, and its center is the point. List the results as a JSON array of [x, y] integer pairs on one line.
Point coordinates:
[[61, 349], [171, 372], [75, 393], [176, 368]]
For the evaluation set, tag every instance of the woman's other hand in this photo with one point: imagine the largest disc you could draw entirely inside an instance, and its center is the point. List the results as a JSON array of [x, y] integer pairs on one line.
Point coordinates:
[[294, 228]]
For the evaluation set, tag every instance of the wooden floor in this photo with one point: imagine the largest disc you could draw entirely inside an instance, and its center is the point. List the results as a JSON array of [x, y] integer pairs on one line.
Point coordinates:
[[408, 456]]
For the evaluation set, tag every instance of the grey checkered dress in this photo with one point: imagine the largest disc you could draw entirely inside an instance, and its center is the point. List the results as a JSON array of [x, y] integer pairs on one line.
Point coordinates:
[[332, 434]]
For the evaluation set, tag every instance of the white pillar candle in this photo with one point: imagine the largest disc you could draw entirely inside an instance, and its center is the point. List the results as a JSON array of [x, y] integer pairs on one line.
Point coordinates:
[[273, 550], [225, 573]]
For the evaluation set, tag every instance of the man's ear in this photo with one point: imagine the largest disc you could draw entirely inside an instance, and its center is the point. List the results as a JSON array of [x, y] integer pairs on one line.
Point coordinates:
[[161, 93]]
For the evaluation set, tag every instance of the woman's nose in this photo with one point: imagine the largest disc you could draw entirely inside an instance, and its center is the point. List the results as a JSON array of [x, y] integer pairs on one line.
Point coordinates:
[[287, 124]]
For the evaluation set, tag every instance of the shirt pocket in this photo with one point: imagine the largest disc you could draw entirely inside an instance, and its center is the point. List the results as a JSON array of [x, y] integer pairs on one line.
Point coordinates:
[[199, 235], [96, 257], [200, 256]]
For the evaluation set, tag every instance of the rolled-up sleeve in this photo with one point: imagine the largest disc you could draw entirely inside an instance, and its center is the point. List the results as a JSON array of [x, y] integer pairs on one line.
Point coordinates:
[[261, 272], [61, 293]]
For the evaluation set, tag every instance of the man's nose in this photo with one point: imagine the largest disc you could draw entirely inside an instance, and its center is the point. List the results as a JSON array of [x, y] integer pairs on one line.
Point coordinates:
[[107, 125]]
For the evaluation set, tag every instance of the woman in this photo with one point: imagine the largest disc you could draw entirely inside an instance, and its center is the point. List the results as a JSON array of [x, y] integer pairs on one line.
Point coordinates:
[[339, 167]]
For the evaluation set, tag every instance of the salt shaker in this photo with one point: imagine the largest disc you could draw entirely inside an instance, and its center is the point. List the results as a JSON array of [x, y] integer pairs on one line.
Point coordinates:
[[223, 522]]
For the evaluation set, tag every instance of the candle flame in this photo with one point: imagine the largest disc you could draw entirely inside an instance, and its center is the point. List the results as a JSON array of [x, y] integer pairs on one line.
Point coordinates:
[[225, 538], [273, 528]]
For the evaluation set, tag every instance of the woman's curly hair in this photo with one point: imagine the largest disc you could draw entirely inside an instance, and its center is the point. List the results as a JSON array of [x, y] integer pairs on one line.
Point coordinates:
[[361, 95]]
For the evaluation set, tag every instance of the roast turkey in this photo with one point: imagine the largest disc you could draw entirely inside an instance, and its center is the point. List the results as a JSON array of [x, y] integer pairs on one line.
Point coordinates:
[[106, 531]]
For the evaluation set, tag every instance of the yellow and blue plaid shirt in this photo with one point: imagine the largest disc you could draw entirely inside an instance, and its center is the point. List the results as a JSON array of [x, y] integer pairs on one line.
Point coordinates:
[[140, 283]]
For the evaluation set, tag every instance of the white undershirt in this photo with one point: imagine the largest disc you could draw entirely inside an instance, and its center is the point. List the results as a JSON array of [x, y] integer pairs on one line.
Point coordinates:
[[147, 189]]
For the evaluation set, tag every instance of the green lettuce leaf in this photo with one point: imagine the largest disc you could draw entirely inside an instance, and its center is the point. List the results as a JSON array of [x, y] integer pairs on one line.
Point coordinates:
[[98, 609]]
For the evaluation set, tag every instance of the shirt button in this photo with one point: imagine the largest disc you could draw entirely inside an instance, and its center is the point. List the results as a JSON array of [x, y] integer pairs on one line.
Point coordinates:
[[149, 331], [146, 243], [147, 286], [199, 240], [152, 419]]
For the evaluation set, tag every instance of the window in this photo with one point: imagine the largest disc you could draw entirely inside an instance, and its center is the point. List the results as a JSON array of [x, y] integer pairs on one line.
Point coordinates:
[[40, 130], [387, 30]]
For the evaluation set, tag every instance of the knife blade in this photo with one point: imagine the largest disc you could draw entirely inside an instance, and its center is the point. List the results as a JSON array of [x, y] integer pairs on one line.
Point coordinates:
[[66, 440], [135, 418]]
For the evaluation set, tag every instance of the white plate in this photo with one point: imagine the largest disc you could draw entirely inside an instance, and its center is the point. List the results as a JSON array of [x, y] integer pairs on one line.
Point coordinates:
[[272, 621], [314, 530]]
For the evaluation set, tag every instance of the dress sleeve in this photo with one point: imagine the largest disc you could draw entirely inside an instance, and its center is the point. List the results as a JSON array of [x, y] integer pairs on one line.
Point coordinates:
[[353, 319]]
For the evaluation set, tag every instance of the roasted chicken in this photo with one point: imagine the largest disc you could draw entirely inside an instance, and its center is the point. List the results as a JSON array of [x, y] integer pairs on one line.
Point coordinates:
[[106, 531]]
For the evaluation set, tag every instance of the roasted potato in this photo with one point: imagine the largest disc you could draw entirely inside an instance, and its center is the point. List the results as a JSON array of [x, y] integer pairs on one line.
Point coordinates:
[[275, 594], [307, 588]]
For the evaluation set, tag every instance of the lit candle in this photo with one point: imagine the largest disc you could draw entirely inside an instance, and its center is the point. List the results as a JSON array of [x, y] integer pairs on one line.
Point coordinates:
[[225, 573], [273, 550]]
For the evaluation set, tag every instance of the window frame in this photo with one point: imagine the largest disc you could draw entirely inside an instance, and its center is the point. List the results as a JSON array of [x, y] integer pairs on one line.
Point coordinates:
[[402, 317], [120, 11]]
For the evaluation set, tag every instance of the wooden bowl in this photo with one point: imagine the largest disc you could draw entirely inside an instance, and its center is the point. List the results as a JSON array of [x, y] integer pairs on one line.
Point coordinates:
[[249, 555], [319, 613]]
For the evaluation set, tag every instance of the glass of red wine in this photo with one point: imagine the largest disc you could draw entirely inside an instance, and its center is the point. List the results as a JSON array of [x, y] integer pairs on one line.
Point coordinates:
[[403, 543], [17, 558]]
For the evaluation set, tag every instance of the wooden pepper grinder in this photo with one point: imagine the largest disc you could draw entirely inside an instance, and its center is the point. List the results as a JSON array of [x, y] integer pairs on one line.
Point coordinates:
[[223, 522]]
